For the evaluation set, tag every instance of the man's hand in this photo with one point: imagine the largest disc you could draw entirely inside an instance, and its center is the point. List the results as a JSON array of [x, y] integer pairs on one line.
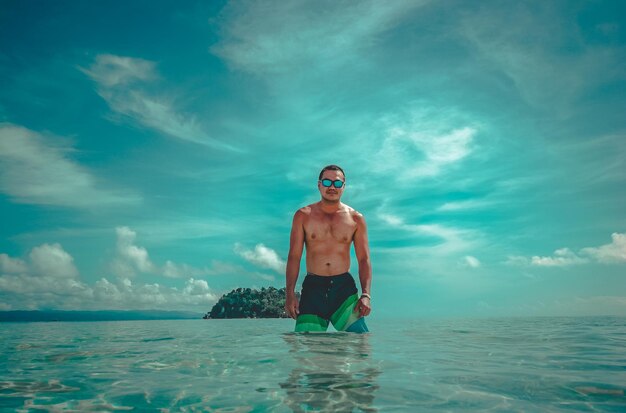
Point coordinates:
[[363, 306], [291, 305]]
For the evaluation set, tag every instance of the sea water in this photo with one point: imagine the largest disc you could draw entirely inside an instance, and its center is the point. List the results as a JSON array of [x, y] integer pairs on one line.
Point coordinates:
[[460, 365]]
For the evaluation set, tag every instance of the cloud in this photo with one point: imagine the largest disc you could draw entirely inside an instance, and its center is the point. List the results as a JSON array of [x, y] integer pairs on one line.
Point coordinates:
[[38, 170], [173, 270], [562, 257], [422, 143], [517, 260], [121, 83], [463, 205], [266, 277], [195, 295], [530, 53], [130, 255], [454, 239], [472, 261], [276, 37], [433, 151], [262, 257], [10, 265], [49, 279], [615, 252], [451, 240], [391, 219], [50, 271], [132, 259], [612, 253], [111, 71], [53, 261]]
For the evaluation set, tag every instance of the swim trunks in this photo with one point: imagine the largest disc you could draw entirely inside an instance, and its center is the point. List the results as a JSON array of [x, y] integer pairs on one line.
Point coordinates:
[[333, 298]]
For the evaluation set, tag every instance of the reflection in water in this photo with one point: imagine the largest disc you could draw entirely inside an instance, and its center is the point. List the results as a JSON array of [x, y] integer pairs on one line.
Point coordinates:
[[334, 372]]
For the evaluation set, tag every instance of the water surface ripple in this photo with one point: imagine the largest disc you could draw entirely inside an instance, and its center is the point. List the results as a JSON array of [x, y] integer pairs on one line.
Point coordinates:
[[508, 364]]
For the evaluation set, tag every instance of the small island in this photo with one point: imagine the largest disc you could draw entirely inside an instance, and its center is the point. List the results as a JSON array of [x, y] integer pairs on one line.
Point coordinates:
[[250, 303]]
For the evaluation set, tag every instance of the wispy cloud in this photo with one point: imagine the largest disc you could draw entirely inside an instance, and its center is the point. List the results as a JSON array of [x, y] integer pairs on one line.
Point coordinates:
[[39, 170], [276, 37], [418, 142], [531, 52], [173, 270], [450, 240], [122, 84], [111, 71], [472, 261], [469, 204], [414, 153]]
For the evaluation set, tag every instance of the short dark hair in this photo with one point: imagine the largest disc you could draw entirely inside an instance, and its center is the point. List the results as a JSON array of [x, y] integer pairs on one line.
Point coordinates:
[[332, 168]]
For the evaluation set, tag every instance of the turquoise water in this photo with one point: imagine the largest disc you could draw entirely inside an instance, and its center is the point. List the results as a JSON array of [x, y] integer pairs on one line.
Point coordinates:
[[509, 364]]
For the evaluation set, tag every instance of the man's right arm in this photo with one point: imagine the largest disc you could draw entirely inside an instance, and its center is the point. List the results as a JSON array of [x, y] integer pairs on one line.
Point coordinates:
[[296, 246]]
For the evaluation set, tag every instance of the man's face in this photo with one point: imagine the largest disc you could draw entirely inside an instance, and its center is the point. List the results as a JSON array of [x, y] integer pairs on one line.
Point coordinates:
[[331, 193]]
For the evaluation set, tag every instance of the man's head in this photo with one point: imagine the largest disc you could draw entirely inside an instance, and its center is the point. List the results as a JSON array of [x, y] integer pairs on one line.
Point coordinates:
[[331, 183]]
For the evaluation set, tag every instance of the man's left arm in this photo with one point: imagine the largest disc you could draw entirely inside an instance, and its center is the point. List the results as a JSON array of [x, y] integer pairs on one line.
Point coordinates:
[[362, 250]]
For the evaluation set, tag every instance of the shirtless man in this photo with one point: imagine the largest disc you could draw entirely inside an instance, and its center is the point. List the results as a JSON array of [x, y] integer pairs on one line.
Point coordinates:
[[329, 292]]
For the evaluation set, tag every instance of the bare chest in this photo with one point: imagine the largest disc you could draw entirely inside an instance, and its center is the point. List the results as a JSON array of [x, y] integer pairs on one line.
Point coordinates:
[[325, 228]]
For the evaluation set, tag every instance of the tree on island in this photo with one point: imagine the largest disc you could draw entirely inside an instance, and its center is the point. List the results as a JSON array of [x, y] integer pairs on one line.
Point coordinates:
[[250, 303]]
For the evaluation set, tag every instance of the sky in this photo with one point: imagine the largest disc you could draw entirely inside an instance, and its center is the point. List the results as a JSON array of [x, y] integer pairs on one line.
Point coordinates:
[[153, 153]]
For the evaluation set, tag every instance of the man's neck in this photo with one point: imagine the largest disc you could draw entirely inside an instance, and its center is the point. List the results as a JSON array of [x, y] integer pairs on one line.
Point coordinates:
[[330, 207]]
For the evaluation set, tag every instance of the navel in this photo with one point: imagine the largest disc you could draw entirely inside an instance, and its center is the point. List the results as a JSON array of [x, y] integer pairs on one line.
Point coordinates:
[[328, 263], [312, 236]]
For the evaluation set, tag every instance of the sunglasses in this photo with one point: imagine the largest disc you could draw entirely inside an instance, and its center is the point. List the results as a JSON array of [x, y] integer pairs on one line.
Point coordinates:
[[327, 183]]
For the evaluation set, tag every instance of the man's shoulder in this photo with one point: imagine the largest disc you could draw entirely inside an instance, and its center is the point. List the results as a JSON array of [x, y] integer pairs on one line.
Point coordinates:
[[304, 211], [353, 212]]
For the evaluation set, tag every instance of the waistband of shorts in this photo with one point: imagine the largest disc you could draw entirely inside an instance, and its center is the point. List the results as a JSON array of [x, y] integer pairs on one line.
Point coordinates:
[[310, 274]]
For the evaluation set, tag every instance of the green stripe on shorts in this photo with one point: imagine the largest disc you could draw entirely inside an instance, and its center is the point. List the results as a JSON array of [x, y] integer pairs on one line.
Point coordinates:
[[310, 322], [345, 315]]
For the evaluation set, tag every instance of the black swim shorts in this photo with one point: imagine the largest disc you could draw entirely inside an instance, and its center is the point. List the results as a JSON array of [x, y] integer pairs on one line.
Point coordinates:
[[329, 298]]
